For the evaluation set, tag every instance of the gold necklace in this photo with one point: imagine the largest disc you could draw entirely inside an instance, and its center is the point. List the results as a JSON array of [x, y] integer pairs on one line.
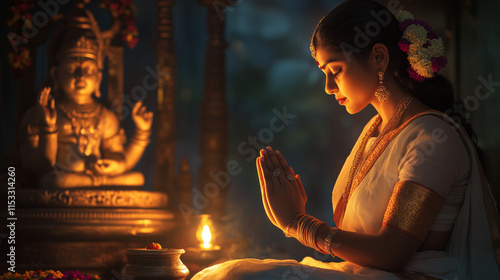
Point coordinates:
[[359, 159], [86, 125]]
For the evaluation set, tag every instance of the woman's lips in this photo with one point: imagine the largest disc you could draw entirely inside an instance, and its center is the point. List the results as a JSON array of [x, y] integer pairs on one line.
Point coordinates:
[[341, 100]]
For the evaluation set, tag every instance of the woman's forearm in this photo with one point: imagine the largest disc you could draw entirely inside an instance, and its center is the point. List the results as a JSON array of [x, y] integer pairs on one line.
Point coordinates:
[[388, 250]]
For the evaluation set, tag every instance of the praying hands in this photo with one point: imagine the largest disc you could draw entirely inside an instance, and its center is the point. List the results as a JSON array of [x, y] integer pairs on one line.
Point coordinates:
[[283, 194]]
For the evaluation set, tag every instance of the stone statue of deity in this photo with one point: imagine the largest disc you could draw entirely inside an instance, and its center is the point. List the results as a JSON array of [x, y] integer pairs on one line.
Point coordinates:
[[70, 138]]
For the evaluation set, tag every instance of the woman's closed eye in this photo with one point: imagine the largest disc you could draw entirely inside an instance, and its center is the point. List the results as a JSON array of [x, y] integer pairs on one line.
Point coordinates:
[[333, 73], [337, 73]]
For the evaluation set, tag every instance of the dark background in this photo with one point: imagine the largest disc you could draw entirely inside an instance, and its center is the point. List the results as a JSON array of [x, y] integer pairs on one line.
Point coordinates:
[[269, 66]]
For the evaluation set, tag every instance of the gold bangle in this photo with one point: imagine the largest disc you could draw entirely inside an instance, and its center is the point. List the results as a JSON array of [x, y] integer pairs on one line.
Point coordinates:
[[49, 129], [140, 142], [307, 227], [290, 224], [142, 132], [328, 239], [142, 135]]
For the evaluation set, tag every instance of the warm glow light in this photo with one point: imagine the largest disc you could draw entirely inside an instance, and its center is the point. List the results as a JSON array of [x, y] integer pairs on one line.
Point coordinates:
[[206, 236]]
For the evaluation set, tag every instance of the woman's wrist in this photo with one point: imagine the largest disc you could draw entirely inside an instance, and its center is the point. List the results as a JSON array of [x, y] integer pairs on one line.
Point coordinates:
[[325, 238], [304, 228], [311, 232], [291, 228]]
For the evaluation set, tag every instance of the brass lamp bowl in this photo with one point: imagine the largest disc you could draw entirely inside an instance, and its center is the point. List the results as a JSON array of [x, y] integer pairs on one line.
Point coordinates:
[[163, 264]]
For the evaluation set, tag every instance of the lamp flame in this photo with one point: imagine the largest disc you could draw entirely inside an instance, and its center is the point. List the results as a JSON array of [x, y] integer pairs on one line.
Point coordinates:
[[206, 236]]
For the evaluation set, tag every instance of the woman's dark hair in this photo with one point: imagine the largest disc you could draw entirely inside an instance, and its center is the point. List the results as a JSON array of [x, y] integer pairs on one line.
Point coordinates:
[[355, 26]]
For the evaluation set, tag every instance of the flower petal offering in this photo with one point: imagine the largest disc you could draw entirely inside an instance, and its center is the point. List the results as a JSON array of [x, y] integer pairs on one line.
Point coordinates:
[[154, 246]]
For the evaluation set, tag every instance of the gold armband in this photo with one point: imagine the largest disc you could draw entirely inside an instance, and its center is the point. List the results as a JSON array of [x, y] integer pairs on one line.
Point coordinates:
[[141, 137], [412, 209], [48, 129]]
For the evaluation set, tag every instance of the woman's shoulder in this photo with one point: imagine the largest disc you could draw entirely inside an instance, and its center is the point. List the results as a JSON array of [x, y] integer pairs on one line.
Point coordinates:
[[437, 132], [435, 153], [433, 122]]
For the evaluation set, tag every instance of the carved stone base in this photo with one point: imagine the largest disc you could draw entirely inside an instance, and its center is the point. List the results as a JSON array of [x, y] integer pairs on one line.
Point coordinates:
[[87, 230]]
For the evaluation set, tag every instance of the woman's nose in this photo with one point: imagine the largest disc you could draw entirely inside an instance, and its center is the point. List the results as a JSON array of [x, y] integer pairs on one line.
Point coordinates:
[[330, 86]]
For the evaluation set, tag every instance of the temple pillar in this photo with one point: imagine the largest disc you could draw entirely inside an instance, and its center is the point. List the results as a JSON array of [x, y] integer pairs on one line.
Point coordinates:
[[214, 128], [165, 116]]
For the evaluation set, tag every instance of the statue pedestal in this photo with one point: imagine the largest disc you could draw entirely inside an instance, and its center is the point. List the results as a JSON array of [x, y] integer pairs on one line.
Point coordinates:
[[87, 230]]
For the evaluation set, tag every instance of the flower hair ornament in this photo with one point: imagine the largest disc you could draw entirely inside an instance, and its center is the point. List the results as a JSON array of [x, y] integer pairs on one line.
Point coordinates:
[[423, 45]]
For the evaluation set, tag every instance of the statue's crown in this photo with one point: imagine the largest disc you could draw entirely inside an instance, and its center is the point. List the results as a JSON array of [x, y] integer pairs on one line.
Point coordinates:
[[79, 36], [83, 47]]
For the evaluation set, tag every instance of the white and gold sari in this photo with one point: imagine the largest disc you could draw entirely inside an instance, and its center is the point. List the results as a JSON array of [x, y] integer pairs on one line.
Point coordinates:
[[422, 176]]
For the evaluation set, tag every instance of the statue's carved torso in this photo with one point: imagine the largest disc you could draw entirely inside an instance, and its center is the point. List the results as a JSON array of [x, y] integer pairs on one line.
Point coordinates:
[[81, 136]]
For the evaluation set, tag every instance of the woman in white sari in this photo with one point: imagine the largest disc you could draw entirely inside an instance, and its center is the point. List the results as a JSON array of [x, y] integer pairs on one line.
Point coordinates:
[[411, 201]]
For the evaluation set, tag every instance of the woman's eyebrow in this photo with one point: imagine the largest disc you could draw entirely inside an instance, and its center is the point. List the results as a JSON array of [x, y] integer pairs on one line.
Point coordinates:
[[327, 62]]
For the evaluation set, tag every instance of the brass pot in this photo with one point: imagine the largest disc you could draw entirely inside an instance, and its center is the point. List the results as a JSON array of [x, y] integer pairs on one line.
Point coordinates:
[[164, 264]]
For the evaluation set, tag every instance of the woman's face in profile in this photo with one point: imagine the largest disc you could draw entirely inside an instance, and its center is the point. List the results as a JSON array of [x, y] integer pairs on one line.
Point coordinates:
[[352, 83]]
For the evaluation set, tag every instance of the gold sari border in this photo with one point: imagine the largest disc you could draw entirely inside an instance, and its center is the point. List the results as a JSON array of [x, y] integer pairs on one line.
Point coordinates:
[[379, 150], [370, 161], [412, 209]]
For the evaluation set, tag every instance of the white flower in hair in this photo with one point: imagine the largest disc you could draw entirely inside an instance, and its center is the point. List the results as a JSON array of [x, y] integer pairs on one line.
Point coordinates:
[[436, 47], [404, 15], [424, 47], [416, 34]]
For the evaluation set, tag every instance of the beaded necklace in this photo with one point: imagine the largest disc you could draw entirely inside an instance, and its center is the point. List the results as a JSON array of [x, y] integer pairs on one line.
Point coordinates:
[[85, 121]]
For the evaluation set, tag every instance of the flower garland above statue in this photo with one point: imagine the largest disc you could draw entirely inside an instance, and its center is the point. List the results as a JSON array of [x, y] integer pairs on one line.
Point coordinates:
[[20, 15], [125, 10], [21, 29], [423, 45]]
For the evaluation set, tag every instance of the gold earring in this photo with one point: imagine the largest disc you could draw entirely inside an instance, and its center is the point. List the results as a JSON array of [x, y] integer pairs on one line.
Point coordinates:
[[382, 93]]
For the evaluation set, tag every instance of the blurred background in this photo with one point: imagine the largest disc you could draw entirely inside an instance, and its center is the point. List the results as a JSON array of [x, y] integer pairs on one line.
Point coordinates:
[[269, 67]]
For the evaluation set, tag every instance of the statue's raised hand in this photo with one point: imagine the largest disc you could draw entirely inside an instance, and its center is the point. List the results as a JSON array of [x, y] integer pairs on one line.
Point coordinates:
[[143, 119], [46, 108]]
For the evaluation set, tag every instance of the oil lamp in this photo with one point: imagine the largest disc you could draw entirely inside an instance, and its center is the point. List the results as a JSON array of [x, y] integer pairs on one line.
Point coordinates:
[[205, 233], [206, 236], [205, 251]]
